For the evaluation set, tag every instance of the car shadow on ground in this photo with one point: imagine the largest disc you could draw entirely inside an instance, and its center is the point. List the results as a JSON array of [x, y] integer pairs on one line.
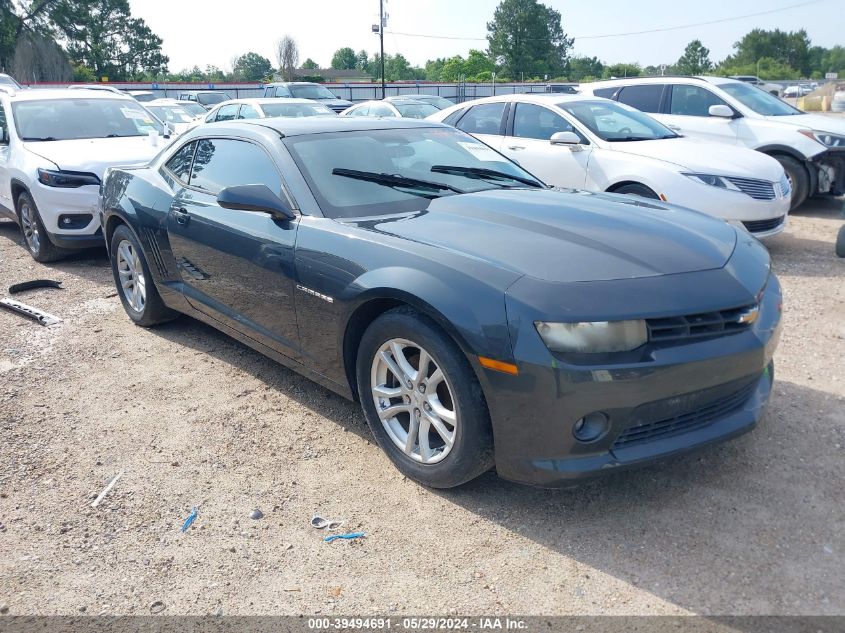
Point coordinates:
[[746, 526], [822, 207]]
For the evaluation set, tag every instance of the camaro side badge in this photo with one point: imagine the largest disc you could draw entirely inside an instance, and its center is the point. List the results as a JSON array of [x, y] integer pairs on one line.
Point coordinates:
[[314, 293], [749, 316]]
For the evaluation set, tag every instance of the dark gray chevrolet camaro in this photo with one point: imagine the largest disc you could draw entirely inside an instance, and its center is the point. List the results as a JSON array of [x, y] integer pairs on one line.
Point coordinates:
[[480, 318]]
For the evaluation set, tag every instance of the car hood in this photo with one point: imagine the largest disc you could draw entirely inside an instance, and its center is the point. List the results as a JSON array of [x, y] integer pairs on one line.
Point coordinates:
[[567, 236], [818, 122], [96, 154], [706, 157]]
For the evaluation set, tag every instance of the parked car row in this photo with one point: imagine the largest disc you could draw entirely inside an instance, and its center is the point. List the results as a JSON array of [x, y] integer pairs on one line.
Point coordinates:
[[416, 266]]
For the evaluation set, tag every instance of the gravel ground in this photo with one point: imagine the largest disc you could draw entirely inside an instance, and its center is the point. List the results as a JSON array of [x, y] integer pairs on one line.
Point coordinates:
[[194, 419]]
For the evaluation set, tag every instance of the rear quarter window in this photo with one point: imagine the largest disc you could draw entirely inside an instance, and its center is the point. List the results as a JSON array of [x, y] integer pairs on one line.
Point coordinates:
[[645, 98]]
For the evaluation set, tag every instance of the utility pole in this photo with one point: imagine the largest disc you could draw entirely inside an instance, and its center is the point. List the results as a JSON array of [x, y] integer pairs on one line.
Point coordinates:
[[381, 22]]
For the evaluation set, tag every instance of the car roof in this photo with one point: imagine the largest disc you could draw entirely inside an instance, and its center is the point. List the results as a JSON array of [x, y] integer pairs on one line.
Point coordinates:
[[69, 93], [293, 83], [319, 125], [271, 101], [544, 98], [623, 81], [165, 101]]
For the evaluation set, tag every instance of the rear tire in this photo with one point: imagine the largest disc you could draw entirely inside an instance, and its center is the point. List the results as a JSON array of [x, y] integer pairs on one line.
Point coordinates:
[[636, 189], [440, 433], [798, 177], [840, 242], [135, 285], [34, 234]]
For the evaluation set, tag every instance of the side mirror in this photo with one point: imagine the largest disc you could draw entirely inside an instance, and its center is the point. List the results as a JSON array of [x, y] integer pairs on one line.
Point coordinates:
[[721, 110], [255, 198], [570, 139]]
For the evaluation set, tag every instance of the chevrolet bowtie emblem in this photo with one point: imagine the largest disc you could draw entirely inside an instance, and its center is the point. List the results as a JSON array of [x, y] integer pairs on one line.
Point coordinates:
[[749, 316]]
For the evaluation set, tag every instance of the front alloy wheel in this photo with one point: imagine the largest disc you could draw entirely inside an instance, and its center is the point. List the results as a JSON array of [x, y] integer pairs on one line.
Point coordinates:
[[414, 401], [30, 227], [422, 400]]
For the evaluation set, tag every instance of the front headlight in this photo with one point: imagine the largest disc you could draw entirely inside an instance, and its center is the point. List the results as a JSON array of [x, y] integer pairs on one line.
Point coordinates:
[[66, 179], [594, 337], [825, 138], [713, 181]]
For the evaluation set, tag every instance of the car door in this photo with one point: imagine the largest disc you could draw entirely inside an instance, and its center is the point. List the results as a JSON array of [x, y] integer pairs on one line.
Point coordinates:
[[687, 111], [485, 122], [527, 142], [236, 266], [7, 207]]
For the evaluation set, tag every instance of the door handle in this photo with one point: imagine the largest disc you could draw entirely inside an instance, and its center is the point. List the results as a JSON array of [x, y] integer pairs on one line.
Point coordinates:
[[516, 148]]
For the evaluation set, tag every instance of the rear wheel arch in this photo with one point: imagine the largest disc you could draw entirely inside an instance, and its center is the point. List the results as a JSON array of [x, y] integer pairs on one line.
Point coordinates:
[[112, 222], [371, 309]]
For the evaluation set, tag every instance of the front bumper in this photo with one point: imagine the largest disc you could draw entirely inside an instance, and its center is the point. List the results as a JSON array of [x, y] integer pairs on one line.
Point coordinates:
[[737, 208], [668, 400], [56, 202]]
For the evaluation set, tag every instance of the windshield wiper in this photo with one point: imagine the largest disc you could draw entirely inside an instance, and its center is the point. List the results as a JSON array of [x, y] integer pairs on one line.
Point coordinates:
[[395, 180], [38, 138], [480, 173], [624, 139]]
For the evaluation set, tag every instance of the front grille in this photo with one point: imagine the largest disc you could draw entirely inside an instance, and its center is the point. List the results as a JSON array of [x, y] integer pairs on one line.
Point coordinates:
[[760, 226], [694, 326], [784, 188], [684, 422], [757, 189]]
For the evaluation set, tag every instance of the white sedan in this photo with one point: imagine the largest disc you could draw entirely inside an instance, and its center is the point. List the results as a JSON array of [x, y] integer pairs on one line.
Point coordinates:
[[596, 144]]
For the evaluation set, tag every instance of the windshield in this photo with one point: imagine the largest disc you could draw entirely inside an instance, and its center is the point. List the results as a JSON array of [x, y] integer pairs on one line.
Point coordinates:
[[172, 114], [394, 155], [309, 91], [212, 98], [296, 109], [67, 119], [758, 100], [441, 103], [613, 121], [415, 110], [143, 97], [194, 109]]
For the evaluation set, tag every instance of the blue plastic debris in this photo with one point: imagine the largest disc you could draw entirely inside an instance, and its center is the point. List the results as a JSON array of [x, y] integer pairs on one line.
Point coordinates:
[[189, 520], [345, 537]]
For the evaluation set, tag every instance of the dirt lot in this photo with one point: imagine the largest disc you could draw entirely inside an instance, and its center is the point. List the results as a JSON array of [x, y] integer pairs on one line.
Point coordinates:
[[193, 418]]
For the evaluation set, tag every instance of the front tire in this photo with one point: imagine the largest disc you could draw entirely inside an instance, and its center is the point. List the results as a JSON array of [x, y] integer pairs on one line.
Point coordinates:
[[422, 401], [636, 189], [135, 285], [34, 234], [798, 178]]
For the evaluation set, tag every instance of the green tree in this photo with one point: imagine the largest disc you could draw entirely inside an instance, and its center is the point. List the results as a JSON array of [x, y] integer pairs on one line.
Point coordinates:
[[695, 60], [526, 38], [103, 36], [252, 67], [621, 70], [581, 67], [833, 61], [310, 64], [791, 49], [361, 60], [344, 59], [477, 65]]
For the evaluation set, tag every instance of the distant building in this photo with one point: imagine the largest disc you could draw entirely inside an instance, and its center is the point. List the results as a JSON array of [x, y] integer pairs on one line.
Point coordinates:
[[328, 75]]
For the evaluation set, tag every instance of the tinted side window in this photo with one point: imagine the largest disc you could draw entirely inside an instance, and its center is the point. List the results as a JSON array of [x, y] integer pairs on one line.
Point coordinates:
[[533, 121], [247, 112], [362, 111], [282, 91], [692, 100], [643, 98], [450, 120], [606, 93], [180, 162], [379, 109], [221, 163], [227, 112], [5, 132], [483, 119]]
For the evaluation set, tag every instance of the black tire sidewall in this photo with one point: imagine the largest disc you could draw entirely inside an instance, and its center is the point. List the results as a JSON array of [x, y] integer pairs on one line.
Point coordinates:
[[840, 242], [800, 180], [472, 452], [47, 251], [637, 190]]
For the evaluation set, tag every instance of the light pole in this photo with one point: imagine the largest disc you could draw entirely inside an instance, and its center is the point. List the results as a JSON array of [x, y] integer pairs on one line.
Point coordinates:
[[381, 42]]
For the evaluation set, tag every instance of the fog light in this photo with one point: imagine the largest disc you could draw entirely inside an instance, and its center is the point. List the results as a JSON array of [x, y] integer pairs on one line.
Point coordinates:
[[591, 427]]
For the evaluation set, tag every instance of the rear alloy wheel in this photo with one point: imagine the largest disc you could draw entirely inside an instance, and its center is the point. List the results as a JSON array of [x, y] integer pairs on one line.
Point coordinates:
[[422, 401], [135, 285], [34, 234], [636, 189]]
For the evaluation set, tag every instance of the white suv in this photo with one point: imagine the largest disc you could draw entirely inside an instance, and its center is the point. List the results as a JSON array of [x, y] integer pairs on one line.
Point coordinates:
[[810, 147], [54, 147]]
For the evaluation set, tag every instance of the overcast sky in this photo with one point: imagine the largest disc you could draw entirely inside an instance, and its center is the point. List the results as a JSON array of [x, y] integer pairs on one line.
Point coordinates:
[[209, 32]]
